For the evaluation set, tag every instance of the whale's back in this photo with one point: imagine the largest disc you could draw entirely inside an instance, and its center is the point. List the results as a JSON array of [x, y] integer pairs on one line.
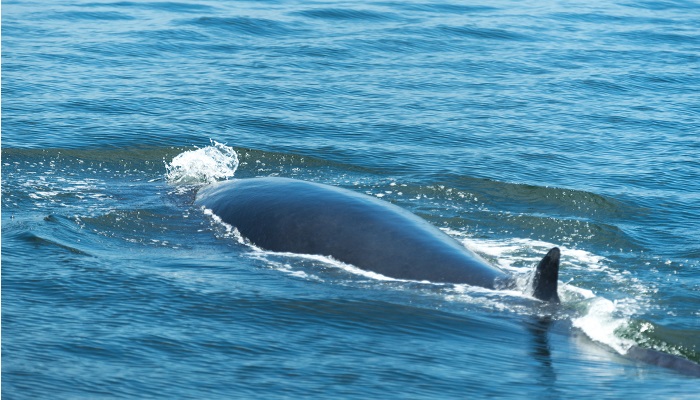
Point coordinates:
[[288, 215]]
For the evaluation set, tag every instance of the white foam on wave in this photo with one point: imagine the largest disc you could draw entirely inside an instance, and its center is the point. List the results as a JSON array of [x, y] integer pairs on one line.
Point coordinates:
[[80, 194], [229, 230], [267, 256], [201, 166], [601, 319]]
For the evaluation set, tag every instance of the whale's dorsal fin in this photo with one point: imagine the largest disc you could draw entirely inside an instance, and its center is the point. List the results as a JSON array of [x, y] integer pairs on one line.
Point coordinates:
[[545, 279]]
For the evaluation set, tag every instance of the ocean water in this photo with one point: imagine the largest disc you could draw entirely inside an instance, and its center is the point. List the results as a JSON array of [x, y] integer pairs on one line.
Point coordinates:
[[514, 126]]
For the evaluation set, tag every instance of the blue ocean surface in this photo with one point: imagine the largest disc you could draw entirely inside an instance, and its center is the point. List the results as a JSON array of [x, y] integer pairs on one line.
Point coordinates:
[[514, 126]]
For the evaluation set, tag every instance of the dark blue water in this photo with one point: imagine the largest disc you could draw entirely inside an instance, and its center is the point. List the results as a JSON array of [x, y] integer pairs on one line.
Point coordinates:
[[514, 126]]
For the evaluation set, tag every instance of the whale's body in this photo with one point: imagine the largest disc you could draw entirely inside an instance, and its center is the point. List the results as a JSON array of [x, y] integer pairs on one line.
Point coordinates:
[[288, 215]]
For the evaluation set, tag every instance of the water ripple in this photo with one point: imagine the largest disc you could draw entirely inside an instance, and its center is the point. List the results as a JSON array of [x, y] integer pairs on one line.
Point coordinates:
[[335, 14], [246, 25]]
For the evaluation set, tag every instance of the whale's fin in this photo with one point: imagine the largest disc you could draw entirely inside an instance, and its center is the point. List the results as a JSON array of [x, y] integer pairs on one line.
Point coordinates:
[[546, 276]]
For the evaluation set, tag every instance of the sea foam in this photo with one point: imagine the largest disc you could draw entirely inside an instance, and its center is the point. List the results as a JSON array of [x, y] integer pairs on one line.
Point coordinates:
[[201, 166]]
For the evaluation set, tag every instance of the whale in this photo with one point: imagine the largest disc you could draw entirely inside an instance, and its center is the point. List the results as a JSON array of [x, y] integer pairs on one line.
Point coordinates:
[[297, 216]]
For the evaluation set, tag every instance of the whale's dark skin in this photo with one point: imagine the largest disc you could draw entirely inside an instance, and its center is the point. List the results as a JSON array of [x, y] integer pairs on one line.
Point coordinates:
[[288, 215]]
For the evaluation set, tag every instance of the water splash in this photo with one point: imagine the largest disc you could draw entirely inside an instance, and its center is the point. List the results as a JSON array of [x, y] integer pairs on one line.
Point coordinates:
[[600, 319], [202, 166], [602, 324]]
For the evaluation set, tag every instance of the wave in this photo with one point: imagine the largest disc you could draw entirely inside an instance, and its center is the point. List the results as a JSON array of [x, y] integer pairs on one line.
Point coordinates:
[[256, 27], [170, 6], [335, 14], [604, 298]]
